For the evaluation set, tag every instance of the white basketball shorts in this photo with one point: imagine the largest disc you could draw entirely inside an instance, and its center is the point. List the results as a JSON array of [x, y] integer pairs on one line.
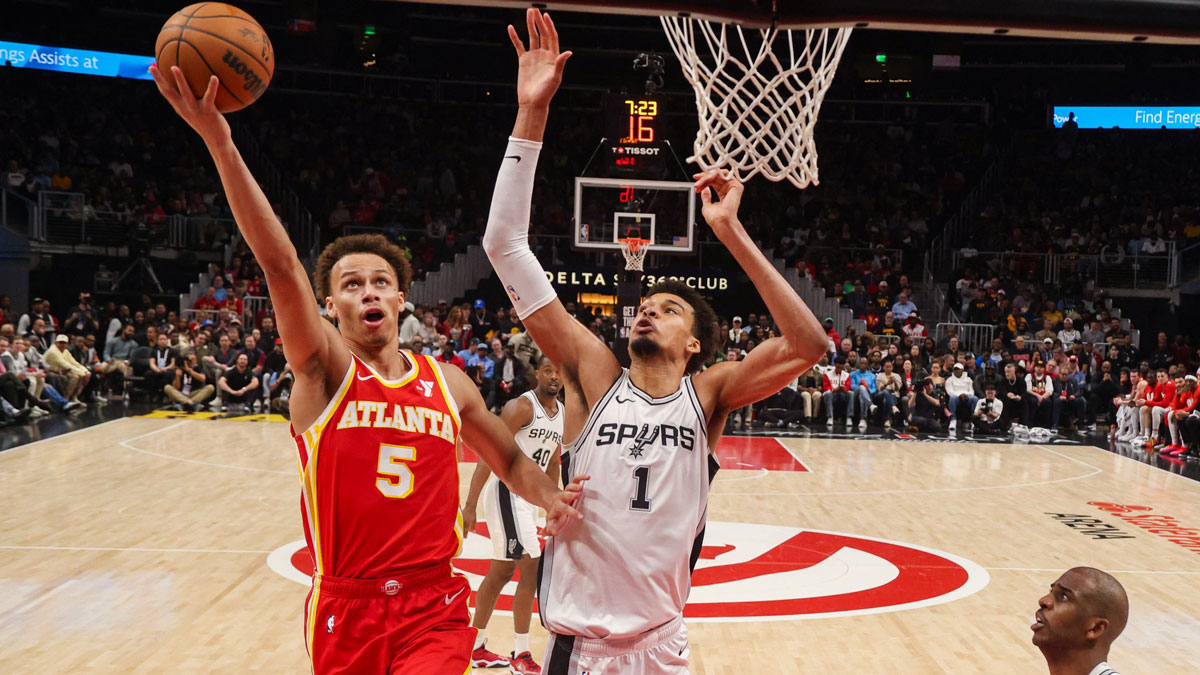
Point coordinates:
[[511, 521]]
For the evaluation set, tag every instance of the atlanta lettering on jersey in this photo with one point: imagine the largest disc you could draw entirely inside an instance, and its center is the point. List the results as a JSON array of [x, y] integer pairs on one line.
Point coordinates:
[[667, 435], [409, 418]]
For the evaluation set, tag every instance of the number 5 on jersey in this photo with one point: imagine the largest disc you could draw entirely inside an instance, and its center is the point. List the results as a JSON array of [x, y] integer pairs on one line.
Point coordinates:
[[400, 483]]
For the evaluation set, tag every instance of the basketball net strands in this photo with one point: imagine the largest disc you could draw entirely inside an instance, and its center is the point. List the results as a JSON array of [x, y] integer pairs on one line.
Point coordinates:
[[757, 104]]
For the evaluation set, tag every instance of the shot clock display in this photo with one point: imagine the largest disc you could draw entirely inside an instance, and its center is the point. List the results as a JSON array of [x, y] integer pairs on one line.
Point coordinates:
[[640, 115], [634, 138]]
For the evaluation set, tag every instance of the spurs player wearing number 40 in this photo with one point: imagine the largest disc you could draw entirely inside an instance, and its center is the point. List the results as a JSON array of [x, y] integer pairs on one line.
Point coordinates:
[[613, 587], [536, 420], [377, 454]]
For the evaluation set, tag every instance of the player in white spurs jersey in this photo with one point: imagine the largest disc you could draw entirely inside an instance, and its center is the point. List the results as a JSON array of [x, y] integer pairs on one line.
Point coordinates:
[[613, 587], [536, 421]]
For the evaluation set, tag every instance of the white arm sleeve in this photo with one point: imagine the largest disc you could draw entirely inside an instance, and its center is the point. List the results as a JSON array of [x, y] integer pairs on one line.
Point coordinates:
[[506, 239]]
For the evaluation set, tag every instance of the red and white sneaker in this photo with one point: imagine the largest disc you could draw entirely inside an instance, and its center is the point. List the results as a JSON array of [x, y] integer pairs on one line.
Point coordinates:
[[1176, 450], [482, 658], [523, 664]]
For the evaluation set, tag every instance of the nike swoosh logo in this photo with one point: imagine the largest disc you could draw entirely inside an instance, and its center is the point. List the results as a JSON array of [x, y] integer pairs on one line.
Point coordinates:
[[623, 400], [450, 598], [364, 379], [516, 157]]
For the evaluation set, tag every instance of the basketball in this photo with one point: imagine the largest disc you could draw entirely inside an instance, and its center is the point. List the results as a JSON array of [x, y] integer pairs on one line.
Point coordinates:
[[213, 38]]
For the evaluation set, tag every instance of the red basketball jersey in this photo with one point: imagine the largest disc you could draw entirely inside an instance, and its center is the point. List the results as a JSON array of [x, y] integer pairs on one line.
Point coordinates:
[[379, 471]]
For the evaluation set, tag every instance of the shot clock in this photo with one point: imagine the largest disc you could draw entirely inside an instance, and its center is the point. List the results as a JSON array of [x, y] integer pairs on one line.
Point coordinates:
[[634, 135]]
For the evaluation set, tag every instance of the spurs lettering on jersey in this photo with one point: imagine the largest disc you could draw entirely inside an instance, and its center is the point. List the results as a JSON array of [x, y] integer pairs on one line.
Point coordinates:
[[626, 568]]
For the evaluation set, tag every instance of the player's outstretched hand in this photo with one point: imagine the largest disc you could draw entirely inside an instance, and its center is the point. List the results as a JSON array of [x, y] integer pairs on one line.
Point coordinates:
[[719, 211], [201, 114], [540, 67], [561, 512]]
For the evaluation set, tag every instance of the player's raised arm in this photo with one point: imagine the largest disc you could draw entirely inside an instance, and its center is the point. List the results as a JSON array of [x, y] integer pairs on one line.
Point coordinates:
[[491, 439], [773, 364], [310, 342], [567, 342]]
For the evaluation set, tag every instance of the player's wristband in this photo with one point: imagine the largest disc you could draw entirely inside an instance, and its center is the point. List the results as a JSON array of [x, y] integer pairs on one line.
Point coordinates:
[[506, 239]]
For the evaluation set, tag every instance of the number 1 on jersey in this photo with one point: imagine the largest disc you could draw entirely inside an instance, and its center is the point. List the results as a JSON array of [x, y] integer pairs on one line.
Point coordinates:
[[400, 485], [641, 476]]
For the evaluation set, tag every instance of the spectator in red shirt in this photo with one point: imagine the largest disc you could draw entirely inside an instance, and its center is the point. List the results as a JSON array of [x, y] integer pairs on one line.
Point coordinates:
[[832, 332], [1158, 404], [208, 300], [446, 353], [1181, 407]]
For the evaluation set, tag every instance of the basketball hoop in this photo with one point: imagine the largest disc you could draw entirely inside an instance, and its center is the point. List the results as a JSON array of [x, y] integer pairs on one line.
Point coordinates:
[[757, 108], [634, 249]]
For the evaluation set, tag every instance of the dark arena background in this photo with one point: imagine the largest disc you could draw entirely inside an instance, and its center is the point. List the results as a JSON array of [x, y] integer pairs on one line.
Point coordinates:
[[1007, 201]]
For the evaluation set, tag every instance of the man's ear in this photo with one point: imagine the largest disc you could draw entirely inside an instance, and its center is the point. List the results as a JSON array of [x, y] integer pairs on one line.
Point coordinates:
[[1097, 629], [329, 308]]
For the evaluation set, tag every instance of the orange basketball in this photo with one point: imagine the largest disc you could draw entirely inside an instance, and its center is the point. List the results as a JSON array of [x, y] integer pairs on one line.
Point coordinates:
[[213, 38]]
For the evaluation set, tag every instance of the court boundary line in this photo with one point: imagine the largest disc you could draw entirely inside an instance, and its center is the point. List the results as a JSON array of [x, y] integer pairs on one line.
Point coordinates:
[[125, 444], [8, 452], [1135, 460], [1045, 569], [134, 549], [1095, 470], [807, 468]]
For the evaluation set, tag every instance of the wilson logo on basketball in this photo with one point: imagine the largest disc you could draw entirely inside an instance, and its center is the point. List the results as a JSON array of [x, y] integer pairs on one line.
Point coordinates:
[[751, 572], [251, 81]]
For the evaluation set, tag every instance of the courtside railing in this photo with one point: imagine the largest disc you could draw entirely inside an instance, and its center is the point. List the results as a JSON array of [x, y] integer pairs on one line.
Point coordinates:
[[19, 214], [1114, 267], [974, 337]]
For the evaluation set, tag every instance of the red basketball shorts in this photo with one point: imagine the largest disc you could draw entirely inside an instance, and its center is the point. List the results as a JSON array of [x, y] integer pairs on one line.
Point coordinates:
[[412, 624]]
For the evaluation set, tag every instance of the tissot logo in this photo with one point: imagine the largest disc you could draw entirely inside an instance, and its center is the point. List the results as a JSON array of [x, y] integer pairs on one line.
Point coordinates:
[[751, 572]]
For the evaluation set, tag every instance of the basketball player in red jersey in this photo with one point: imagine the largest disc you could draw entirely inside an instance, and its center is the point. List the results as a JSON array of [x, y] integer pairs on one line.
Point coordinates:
[[380, 427]]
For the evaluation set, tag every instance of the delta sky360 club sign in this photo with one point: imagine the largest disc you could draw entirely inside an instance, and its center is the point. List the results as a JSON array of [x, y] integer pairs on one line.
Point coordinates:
[[750, 572]]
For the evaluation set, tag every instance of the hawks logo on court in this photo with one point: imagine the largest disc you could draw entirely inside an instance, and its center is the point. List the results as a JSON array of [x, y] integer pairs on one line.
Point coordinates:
[[750, 572]]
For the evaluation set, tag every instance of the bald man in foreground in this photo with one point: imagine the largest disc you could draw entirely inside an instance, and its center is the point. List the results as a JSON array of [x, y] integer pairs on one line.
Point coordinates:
[[1078, 620]]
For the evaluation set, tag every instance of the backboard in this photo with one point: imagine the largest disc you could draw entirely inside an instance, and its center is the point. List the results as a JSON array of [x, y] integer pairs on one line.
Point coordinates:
[[607, 209]]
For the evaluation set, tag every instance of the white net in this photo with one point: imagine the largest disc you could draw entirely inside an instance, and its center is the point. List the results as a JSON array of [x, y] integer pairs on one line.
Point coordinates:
[[635, 252], [758, 102]]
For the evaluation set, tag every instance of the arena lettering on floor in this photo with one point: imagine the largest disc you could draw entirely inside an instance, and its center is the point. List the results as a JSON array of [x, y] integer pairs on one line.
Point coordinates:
[[1094, 527]]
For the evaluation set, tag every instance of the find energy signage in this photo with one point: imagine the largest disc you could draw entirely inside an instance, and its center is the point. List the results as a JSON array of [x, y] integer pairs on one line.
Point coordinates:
[[584, 280]]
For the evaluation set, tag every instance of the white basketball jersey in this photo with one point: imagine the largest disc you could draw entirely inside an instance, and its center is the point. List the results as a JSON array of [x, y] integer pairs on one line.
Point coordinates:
[[626, 567], [541, 436]]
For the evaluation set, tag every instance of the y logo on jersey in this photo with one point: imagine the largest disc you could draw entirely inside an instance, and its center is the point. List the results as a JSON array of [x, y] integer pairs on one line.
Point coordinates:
[[752, 572], [426, 387]]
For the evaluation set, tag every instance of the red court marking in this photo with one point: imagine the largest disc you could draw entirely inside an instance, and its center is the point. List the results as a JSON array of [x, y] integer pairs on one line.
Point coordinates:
[[750, 453]]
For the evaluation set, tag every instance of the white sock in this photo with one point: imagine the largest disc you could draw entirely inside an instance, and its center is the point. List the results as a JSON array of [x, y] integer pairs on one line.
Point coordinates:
[[480, 638], [520, 643]]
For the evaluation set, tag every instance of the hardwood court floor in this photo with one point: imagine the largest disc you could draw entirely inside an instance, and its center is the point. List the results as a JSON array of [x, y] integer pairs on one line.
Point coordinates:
[[141, 546]]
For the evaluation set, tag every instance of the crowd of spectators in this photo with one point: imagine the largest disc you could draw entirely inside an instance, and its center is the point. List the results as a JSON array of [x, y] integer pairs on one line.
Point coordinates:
[[1104, 192], [124, 152], [90, 354], [1057, 378]]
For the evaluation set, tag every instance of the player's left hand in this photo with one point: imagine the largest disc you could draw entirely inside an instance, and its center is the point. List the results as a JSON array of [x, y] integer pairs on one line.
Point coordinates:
[[720, 215], [540, 67], [560, 512]]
